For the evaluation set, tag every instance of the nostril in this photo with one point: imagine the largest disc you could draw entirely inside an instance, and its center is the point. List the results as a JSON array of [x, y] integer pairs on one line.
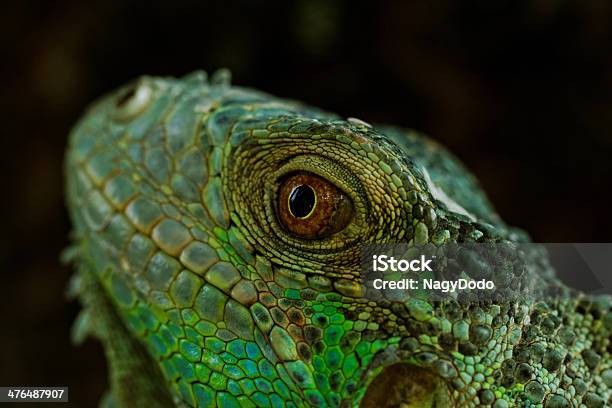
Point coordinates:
[[405, 385], [133, 101], [129, 94]]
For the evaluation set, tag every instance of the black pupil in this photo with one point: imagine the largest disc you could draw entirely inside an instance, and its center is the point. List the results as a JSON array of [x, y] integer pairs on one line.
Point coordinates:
[[301, 201]]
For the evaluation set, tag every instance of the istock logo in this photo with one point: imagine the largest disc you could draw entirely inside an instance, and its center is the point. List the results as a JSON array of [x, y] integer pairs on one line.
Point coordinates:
[[383, 263]]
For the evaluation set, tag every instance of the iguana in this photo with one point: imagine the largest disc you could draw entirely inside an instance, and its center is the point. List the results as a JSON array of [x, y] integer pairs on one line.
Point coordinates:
[[216, 239]]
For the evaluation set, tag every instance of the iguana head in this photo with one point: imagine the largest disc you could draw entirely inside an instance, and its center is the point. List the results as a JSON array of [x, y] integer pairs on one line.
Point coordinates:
[[226, 227]]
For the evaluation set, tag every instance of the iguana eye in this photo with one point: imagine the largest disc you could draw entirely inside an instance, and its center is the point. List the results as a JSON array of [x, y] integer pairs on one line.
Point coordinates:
[[311, 207]]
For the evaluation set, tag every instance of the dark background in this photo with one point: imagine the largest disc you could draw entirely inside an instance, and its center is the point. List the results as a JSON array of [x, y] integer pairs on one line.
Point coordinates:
[[519, 90]]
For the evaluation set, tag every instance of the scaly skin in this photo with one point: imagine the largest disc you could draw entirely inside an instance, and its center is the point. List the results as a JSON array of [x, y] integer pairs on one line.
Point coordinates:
[[202, 298]]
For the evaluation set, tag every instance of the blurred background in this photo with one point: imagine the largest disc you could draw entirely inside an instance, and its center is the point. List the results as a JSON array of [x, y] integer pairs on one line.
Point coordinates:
[[521, 91]]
